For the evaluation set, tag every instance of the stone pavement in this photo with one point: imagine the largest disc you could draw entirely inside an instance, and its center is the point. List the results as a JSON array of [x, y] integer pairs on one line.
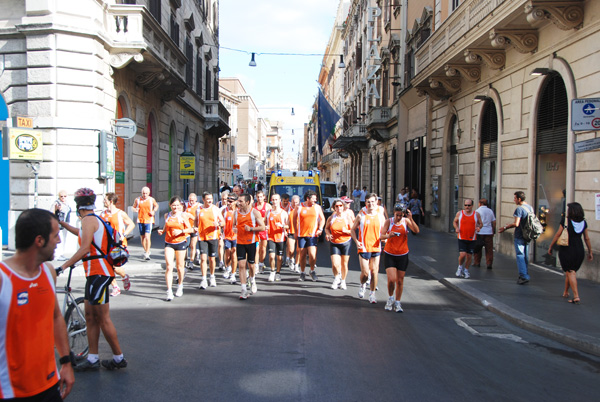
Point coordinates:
[[536, 306]]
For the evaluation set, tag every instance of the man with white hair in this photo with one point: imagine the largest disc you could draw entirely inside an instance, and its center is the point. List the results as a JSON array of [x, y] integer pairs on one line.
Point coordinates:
[[146, 207]]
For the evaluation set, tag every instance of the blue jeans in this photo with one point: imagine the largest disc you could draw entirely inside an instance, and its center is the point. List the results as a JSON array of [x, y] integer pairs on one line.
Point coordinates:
[[522, 251]]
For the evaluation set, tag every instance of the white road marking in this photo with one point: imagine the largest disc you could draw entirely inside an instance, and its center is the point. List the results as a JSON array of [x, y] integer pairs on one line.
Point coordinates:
[[509, 337]]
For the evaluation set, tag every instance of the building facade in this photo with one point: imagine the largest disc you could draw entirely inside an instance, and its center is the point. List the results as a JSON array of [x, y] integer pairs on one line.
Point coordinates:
[[76, 66]]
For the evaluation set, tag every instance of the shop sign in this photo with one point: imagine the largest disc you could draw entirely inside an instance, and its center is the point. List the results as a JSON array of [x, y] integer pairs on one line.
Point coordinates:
[[25, 144], [187, 165]]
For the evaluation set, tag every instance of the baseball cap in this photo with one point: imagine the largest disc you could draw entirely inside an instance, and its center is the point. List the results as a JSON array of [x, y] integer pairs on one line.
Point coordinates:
[[346, 199]]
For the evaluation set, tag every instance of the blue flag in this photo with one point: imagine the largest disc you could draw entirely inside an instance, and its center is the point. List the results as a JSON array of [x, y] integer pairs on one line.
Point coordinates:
[[326, 121]]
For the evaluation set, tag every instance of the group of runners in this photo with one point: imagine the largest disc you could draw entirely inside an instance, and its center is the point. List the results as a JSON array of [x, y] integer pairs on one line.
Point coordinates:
[[245, 231]]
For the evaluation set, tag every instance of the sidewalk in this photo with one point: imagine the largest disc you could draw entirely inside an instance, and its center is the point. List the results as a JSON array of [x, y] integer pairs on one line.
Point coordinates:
[[536, 306]]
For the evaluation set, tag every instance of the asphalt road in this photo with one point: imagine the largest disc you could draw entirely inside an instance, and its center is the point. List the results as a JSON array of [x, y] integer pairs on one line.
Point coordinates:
[[296, 341]]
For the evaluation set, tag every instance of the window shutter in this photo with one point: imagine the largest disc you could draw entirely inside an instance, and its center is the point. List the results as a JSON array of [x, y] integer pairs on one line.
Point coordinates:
[[553, 117]]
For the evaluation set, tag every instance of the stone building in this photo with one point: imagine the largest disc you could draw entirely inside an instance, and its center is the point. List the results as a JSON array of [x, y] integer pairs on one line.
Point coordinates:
[[75, 66]]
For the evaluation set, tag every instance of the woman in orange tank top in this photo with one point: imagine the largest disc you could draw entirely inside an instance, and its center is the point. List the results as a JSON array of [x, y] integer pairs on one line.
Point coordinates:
[[337, 231], [176, 229], [395, 231]]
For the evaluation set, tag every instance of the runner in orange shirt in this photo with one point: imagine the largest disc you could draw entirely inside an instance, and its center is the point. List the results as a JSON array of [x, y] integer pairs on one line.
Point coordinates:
[[466, 224], [209, 221], [247, 222], [230, 238], [99, 273], [192, 209], [176, 229], [369, 222], [32, 324], [123, 225], [291, 236], [146, 207], [337, 231], [395, 231], [310, 221], [262, 206], [276, 221]]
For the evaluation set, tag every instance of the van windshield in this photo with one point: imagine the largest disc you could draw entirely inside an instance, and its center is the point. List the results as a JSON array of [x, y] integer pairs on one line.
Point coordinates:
[[293, 190], [328, 190]]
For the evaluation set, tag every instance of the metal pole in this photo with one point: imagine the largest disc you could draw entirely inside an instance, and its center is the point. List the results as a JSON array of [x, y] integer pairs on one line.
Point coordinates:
[[35, 167]]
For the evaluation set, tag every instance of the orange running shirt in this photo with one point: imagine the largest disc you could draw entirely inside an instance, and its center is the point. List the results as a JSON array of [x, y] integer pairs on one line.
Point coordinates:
[[466, 226], [244, 237], [369, 233], [207, 223], [171, 223], [97, 266], [228, 214], [193, 210], [292, 215], [145, 207], [337, 226], [28, 365], [308, 220], [263, 213], [117, 222], [276, 233], [397, 245]]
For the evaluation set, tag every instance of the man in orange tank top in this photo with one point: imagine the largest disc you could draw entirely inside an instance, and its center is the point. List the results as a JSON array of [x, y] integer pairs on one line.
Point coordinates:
[[192, 208], [276, 222], [262, 206], [31, 318], [99, 273], [230, 238], [293, 262], [310, 222], [466, 224], [209, 222], [146, 207]]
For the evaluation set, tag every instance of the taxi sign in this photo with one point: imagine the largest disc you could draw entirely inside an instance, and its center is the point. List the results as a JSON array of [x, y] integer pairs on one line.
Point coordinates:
[[23, 122], [585, 114]]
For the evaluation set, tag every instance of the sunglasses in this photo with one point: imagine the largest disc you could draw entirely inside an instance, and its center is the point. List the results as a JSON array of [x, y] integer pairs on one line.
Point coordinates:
[[468, 205]]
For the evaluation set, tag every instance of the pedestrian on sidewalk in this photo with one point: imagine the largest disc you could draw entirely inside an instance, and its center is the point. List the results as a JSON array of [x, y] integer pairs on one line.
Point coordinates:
[[395, 253], [62, 210], [363, 195], [485, 237], [571, 257], [521, 245], [146, 207], [466, 224], [356, 198], [337, 232], [416, 207]]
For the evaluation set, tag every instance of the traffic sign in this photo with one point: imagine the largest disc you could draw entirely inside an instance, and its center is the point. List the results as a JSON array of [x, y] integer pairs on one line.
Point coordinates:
[[585, 114]]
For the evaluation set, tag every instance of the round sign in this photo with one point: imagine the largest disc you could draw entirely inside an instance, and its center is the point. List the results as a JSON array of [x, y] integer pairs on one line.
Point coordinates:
[[589, 108], [596, 123], [125, 128]]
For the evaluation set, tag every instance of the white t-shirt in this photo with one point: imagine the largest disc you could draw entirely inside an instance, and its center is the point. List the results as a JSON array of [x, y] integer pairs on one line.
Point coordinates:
[[487, 217]]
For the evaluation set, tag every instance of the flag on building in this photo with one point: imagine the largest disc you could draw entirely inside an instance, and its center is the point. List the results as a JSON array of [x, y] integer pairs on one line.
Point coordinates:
[[327, 118]]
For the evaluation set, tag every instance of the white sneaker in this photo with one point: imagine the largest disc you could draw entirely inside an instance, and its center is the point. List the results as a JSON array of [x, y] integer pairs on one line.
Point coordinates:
[[292, 263], [213, 281], [298, 268], [203, 284], [244, 294], [253, 287], [466, 274], [287, 262], [277, 277], [179, 292], [368, 283], [261, 268], [372, 298], [398, 307], [232, 279], [361, 291], [272, 276], [336, 282], [227, 273], [343, 285], [459, 272], [389, 305], [169, 295]]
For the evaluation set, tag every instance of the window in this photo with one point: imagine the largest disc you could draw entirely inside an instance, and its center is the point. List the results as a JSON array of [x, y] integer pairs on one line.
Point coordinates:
[[199, 72], [207, 88], [155, 9], [455, 4], [174, 32], [189, 67]]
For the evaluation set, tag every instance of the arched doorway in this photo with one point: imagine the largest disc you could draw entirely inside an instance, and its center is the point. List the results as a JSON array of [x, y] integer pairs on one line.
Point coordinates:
[[489, 153], [551, 162], [4, 181]]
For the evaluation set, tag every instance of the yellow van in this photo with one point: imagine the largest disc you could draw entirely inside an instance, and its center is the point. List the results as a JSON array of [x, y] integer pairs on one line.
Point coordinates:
[[295, 183]]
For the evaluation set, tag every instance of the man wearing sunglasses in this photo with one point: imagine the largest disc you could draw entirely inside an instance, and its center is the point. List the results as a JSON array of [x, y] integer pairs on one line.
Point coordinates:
[[466, 224]]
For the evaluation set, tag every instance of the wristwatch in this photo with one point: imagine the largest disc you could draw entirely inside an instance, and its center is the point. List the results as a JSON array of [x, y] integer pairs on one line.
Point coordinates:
[[70, 358]]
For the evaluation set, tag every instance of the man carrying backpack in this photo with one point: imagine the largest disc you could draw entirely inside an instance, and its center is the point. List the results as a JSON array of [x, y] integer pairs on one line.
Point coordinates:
[[521, 245]]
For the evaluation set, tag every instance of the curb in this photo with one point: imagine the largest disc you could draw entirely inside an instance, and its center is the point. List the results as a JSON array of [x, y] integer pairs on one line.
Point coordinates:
[[576, 340]]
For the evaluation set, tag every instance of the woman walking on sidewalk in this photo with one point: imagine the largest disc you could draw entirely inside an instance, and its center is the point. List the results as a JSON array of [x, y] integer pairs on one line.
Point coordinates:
[[176, 229], [395, 231], [571, 257], [337, 231]]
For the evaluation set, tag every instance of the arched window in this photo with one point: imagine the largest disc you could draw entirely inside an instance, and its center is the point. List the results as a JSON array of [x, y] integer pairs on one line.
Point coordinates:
[[489, 153]]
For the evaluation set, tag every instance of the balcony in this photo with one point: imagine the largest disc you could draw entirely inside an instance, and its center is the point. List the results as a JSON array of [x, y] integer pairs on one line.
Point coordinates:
[[354, 137], [331, 158], [217, 118], [134, 35], [379, 119]]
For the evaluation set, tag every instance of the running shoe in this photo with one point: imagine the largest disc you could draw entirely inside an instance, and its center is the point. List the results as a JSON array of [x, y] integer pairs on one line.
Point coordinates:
[[232, 279], [261, 268], [398, 307], [277, 277], [244, 294], [147, 257], [179, 292], [213, 281], [361, 291], [169, 295], [197, 261], [466, 274], [287, 262], [336, 282], [203, 284], [115, 292], [221, 266], [126, 282], [272, 276], [343, 285], [113, 365], [86, 365], [372, 298], [459, 272], [253, 287], [302, 277], [298, 268], [313, 275], [227, 273], [368, 283], [389, 305]]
